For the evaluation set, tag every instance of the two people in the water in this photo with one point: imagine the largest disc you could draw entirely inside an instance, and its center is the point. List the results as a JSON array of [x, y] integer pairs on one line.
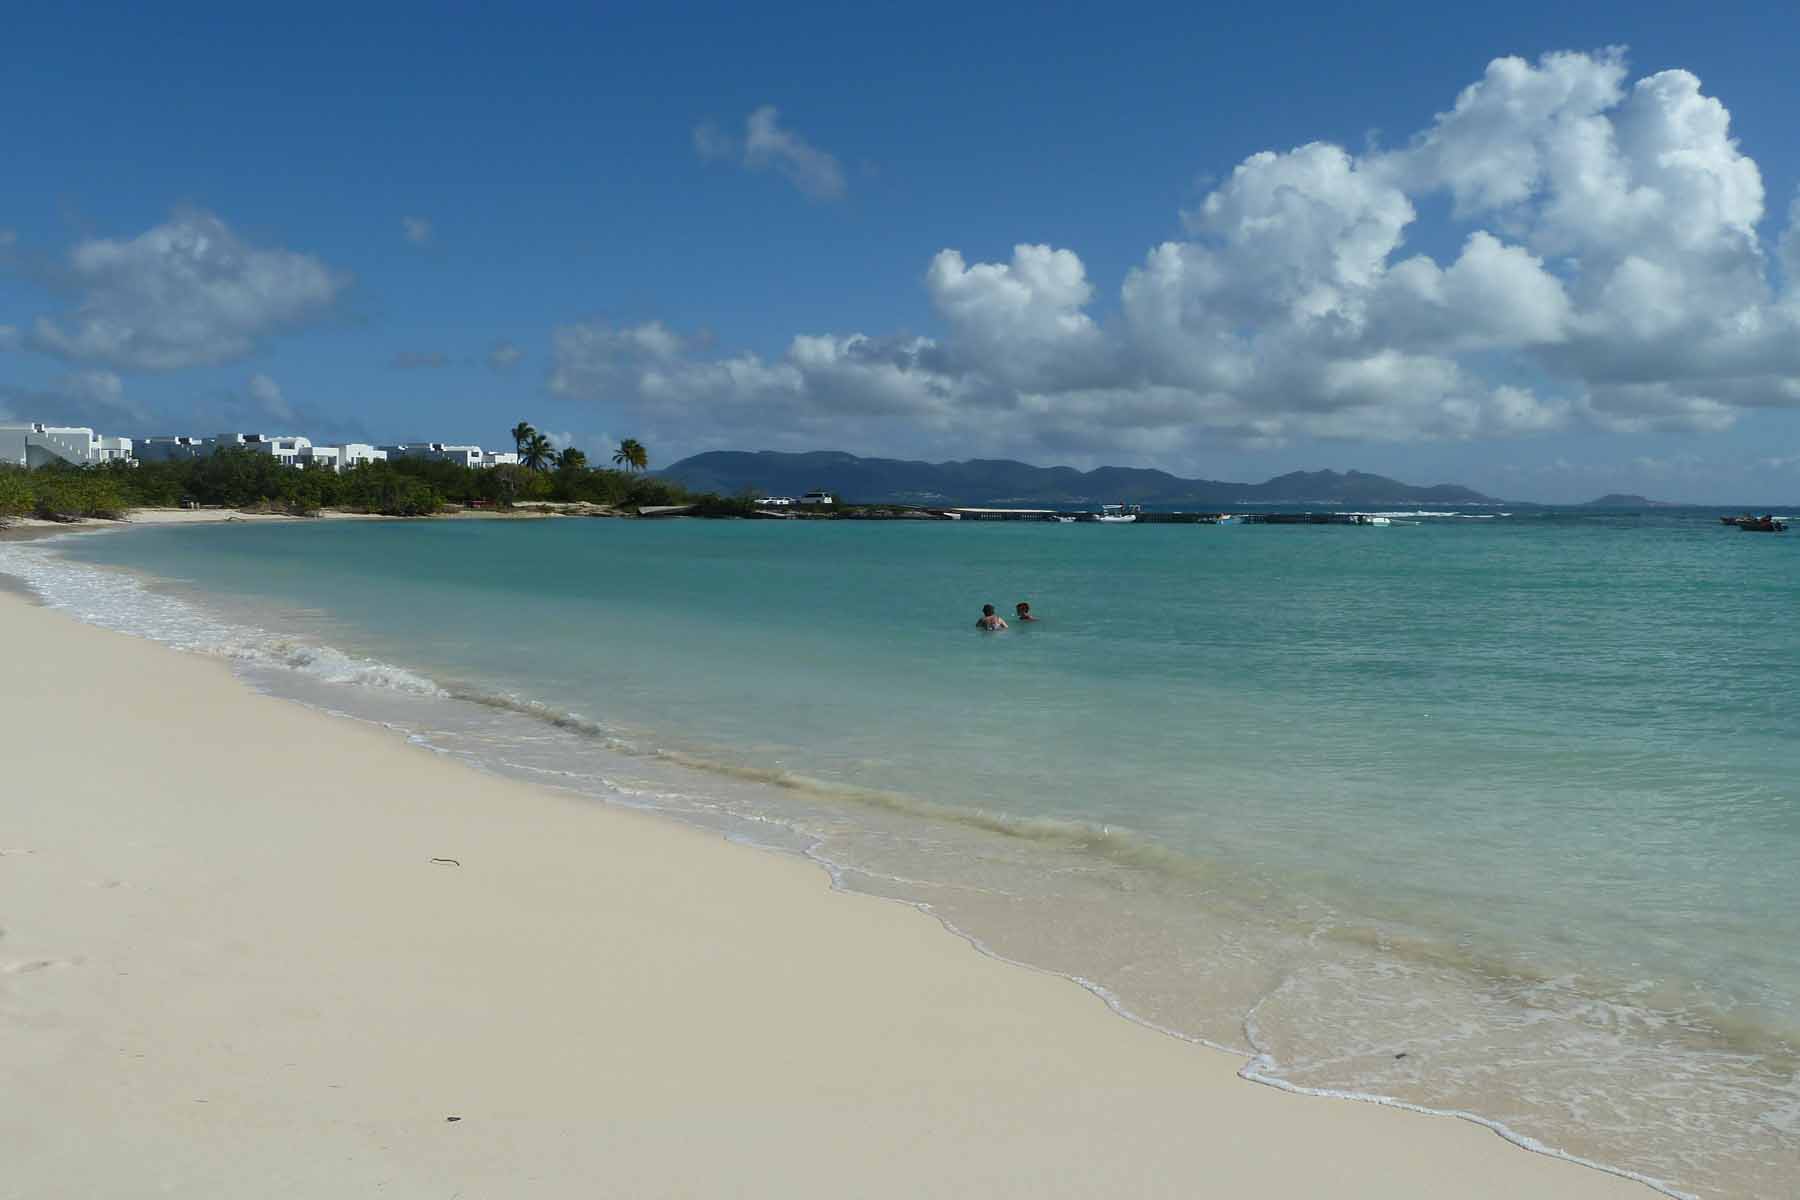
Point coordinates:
[[992, 621]]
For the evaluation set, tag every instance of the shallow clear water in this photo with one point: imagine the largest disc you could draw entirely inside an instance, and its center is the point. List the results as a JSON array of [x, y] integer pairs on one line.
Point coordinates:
[[1491, 815]]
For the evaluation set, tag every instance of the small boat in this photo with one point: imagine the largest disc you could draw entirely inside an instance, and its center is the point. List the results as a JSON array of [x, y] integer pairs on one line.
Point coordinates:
[[1369, 519], [1062, 520], [1116, 514], [1746, 519], [1761, 525]]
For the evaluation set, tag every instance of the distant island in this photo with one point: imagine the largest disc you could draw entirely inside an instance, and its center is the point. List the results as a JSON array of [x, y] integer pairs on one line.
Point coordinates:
[[1628, 500], [1006, 482]]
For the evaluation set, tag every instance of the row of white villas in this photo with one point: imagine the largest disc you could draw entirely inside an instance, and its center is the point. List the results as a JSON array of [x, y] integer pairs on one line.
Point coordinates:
[[35, 445], [289, 451], [295, 451]]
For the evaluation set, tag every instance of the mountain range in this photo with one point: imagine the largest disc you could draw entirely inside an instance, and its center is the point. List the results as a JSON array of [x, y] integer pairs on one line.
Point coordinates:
[[991, 481]]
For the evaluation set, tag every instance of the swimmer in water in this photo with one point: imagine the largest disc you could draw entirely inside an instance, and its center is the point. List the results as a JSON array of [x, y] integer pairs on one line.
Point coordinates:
[[990, 620], [1022, 611]]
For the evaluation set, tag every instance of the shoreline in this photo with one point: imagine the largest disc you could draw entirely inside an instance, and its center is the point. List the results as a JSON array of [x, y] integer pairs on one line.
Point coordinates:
[[31, 528], [1384, 1151]]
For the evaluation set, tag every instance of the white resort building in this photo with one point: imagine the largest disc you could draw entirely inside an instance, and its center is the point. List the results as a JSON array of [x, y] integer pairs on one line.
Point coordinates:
[[461, 455], [356, 454], [170, 449], [37, 444]]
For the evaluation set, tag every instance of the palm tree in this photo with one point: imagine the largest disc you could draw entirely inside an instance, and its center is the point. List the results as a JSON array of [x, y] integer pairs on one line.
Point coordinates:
[[522, 433], [536, 452], [631, 455], [571, 460]]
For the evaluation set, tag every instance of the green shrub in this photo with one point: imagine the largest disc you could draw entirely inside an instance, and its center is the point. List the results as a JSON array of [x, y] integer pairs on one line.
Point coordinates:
[[61, 494], [16, 494]]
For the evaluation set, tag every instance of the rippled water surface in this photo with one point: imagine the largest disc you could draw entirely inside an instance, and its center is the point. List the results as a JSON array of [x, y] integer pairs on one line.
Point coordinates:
[[1481, 813]]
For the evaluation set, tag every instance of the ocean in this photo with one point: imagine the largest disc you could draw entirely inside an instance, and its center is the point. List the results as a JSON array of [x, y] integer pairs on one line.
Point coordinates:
[[1484, 813]]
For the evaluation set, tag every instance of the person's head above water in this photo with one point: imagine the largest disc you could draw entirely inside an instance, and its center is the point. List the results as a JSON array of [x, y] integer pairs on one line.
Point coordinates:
[[987, 610], [1022, 607]]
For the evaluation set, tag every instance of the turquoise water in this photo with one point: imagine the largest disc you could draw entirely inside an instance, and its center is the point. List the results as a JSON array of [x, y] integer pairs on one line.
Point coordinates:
[[1488, 814]]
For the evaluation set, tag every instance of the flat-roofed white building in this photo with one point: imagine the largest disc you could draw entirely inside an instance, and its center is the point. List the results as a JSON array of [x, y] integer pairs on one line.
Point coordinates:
[[289, 450], [356, 454], [112, 449], [499, 458], [321, 456], [462, 456], [37, 444], [171, 449]]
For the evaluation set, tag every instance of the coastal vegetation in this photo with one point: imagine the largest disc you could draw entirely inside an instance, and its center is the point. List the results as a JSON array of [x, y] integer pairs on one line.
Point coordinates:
[[60, 494], [631, 455], [241, 478]]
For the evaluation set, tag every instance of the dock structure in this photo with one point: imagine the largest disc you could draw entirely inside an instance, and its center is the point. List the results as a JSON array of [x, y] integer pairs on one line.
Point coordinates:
[[1137, 516], [1002, 514], [1312, 518], [971, 513]]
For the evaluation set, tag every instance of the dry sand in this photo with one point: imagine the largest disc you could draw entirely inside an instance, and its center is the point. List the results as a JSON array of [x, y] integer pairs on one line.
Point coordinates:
[[230, 967]]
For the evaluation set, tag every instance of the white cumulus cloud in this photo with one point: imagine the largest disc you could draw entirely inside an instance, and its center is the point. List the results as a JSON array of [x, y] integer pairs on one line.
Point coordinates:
[[504, 356], [268, 397], [185, 293], [1610, 272], [767, 145]]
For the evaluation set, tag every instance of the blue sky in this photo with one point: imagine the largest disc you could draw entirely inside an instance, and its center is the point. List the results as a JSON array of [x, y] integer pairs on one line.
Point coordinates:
[[724, 227]]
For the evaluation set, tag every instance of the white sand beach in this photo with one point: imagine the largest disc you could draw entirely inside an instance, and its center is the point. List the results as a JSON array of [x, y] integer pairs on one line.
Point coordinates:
[[234, 962], [30, 527]]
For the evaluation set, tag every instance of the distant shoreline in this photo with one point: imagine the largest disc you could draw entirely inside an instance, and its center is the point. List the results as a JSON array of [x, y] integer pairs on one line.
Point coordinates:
[[17, 529]]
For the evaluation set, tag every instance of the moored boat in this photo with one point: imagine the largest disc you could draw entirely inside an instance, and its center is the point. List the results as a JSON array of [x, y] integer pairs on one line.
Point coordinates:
[[1115, 514]]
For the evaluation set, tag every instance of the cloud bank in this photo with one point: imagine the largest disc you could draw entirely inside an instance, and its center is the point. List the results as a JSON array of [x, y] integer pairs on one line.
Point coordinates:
[[91, 398], [189, 292], [1610, 273], [766, 145]]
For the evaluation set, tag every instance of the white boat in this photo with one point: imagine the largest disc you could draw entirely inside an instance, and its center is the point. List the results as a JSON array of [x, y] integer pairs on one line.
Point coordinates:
[[1116, 514], [1062, 520]]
